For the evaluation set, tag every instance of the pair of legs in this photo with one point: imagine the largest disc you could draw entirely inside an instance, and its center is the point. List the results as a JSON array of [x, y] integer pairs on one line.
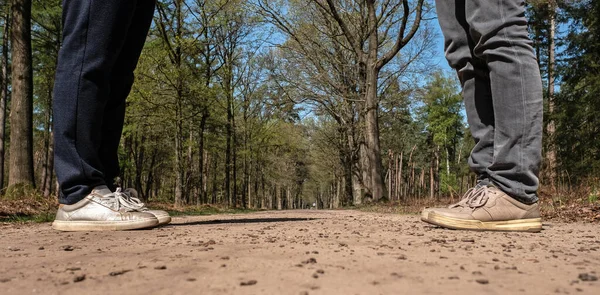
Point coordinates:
[[102, 42], [487, 43]]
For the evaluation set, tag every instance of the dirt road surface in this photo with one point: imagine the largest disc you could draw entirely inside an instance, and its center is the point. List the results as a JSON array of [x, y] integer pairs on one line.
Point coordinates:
[[300, 252]]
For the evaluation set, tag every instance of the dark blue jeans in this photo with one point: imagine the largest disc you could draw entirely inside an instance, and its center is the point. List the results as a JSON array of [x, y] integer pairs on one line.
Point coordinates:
[[487, 43], [102, 42]]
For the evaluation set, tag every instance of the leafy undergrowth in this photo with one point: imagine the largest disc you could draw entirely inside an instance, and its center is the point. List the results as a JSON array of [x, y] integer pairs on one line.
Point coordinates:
[[205, 209], [582, 204], [23, 204]]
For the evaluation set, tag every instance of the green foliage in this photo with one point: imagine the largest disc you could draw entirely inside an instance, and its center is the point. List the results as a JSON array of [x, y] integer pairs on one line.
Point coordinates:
[[442, 110], [442, 113], [577, 104]]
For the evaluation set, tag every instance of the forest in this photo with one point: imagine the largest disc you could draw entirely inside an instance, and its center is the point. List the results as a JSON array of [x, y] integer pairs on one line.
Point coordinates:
[[282, 104]]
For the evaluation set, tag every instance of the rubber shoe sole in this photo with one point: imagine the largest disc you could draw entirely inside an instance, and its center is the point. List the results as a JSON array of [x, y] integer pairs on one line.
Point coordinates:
[[163, 220], [103, 225], [162, 216], [518, 225], [425, 214]]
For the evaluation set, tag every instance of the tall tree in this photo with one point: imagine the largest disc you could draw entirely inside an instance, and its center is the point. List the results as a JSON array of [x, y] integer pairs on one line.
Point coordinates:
[[46, 42], [577, 104], [4, 82], [543, 18], [21, 113], [372, 59]]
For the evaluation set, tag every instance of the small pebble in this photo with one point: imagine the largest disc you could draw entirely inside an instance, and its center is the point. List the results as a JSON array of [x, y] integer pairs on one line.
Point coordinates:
[[248, 283], [79, 278], [67, 248], [587, 277], [482, 281]]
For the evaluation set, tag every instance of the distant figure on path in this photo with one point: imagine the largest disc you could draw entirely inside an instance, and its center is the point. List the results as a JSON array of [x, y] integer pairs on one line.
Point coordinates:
[[487, 43], [101, 47]]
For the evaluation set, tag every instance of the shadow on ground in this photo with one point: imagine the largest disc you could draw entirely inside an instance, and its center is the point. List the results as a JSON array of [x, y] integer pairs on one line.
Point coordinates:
[[242, 221]]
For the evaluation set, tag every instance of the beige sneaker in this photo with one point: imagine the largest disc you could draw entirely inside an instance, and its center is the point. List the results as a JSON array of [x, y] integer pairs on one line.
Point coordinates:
[[486, 208], [132, 196], [101, 210]]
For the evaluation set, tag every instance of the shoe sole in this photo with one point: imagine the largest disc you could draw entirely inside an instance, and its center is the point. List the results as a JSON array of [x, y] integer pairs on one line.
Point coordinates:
[[519, 225], [425, 214], [103, 225], [164, 220]]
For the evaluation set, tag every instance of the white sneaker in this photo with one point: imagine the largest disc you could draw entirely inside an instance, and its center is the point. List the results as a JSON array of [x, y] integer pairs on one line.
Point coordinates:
[[102, 210]]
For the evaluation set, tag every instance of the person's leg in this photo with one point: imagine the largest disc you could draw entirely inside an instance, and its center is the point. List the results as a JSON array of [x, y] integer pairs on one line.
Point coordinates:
[[474, 80], [494, 30], [121, 80], [499, 32], [474, 77], [93, 35]]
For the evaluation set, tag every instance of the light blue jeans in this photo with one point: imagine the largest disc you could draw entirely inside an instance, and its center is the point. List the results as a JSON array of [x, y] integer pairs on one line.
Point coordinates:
[[487, 43]]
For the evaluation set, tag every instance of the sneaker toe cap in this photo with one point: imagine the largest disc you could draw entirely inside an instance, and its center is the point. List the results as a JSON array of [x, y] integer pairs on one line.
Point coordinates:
[[162, 216]]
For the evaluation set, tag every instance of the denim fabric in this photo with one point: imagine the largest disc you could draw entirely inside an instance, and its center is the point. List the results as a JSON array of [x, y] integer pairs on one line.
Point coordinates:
[[102, 42], [487, 43]]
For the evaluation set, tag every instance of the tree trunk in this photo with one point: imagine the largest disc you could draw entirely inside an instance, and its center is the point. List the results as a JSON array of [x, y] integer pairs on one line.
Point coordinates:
[[179, 166], [390, 173], [372, 108], [214, 180], [372, 135], [46, 148], [21, 115], [150, 181], [48, 181], [202, 189], [550, 127], [401, 195], [139, 164], [189, 170], [234, 160], [4, 93], [431, 182], [278, 197], [229, 132], [357, 187]]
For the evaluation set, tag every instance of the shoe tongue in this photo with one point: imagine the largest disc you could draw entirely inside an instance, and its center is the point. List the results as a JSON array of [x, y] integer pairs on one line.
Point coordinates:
[[102, 190]]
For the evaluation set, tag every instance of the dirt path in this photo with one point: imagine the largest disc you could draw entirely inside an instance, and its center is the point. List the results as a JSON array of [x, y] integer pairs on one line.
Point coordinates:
[[300, 252]]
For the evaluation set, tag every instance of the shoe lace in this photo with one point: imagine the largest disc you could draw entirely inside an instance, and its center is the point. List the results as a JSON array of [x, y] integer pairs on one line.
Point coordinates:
[[128, 201], [474, 198]]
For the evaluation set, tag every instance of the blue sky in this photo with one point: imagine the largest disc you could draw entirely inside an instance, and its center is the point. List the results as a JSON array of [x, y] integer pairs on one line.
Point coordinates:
[[439, 51]]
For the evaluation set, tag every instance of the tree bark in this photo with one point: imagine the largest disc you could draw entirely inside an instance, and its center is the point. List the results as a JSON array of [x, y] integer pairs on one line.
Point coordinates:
[[50, 168], [201, 180], [234, 160], [4, 94], [21, 115], [551, 128], [229, 132], [47, 142]]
